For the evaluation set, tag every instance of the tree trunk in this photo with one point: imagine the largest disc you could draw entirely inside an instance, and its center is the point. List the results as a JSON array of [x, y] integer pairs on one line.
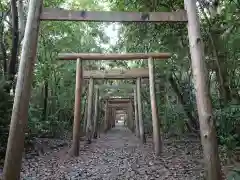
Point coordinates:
[[15, 39], [3, 48], [225, 93], [21, 19], [207, 122], [45, 100], [15, 146], [141, 124], [95, 114], [77, 109], [155, 119]]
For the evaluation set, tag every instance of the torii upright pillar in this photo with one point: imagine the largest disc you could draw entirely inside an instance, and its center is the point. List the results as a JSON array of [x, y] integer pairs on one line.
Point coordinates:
[[105, 124], [136, 113], [140, 120], [114, 117], [155, 119], [89, 113], [109, 118], [77, 109], [95, 119], [130, 116]]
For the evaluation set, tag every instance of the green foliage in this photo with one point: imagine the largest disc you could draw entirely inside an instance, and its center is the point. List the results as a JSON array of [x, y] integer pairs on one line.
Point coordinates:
[[234, 175], [228, 125], [5, 112]]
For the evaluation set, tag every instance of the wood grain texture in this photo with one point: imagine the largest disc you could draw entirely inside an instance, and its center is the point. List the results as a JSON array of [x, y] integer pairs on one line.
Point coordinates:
[[57, 14], [155, 119], [112, 56], [116, 74], [140, 115], [77, 109]]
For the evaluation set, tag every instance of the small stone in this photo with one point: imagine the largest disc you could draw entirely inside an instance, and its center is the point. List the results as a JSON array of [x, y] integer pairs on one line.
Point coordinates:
[[150, 163]]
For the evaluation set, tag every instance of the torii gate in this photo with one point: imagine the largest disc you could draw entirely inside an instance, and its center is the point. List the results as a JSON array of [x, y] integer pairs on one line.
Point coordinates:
[[121, 103], [136, 73], [36, 13]]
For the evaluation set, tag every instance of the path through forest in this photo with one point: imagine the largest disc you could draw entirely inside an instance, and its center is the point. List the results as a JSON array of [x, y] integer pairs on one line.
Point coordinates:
[[119, 155]]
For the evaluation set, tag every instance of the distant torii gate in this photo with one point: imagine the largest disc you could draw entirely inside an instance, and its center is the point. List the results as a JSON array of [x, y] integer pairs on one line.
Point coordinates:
[[36, 13], [126, 103], [127, 74]]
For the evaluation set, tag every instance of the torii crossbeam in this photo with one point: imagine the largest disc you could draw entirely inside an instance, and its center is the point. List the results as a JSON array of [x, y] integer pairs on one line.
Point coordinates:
[[112, 56], [117, 74]]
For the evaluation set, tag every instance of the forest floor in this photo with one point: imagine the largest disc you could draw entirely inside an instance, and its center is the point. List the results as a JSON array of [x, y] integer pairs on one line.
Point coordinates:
[[117, 155]]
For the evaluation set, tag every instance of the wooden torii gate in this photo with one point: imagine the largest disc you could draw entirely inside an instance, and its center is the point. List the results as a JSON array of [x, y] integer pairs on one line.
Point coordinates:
[[36, 13], [128, 74], [137, 112], [123, 103]]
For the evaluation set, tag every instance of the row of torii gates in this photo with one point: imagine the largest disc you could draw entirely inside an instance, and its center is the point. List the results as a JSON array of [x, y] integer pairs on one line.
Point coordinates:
[[36, 14], [113, 104]]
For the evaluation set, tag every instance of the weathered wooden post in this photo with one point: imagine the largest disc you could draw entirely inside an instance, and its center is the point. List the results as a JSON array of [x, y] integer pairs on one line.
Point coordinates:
[[77, 109], [95, 119], [204, 106], [106, 117], [141, 126], [85, 118], [114, 117], [127, 118], [155, 120], [130, 113], [15, 145], [110, 119], [89, 116], [136, 113]]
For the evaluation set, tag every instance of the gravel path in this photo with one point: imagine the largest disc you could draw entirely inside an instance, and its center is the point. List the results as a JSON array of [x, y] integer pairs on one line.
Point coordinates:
[[118, 155]]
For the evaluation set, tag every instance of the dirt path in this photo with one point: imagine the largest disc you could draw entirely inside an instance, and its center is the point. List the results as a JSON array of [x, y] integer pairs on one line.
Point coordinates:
[[119, 155]]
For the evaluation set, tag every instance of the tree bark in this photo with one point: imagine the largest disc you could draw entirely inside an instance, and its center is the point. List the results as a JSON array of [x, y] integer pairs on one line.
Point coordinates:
[[155, 119], [15, 39], [21, 19], [45, 100], [89, 111], [77, 109], [15, 146], [3, 47], [204, 106], [141, 124], [96, 114]]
